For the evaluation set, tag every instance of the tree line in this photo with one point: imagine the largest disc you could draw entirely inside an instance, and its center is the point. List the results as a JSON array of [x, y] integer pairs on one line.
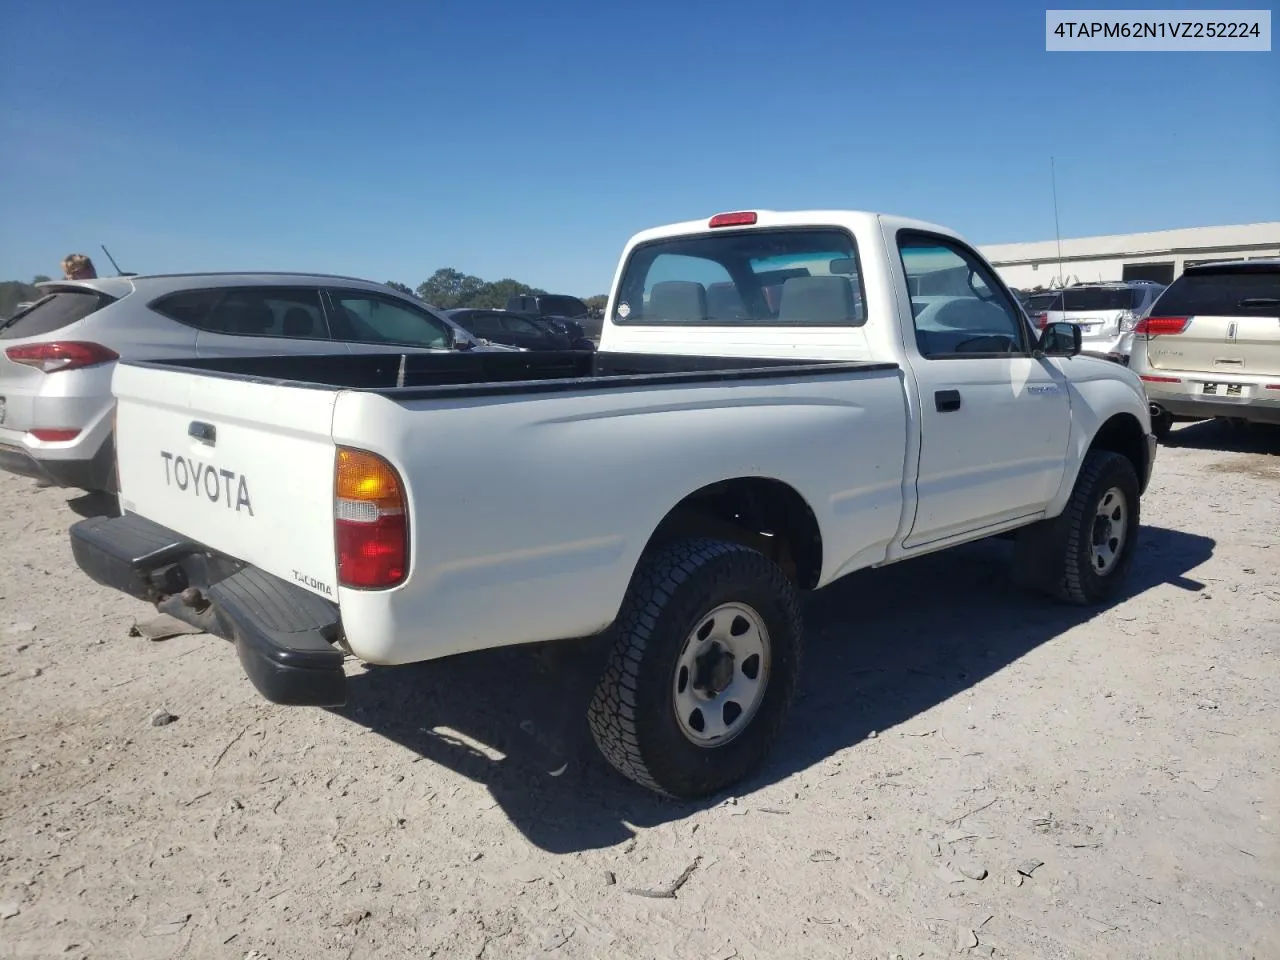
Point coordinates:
[[14, 292], [448, 289]]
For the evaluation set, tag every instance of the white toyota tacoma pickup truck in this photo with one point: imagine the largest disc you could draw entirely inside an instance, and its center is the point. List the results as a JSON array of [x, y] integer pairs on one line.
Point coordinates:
[[779, 399]]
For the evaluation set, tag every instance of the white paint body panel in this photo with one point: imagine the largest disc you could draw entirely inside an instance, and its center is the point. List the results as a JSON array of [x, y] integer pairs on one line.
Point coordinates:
[[529, 512], [528, 515], [273, 506]]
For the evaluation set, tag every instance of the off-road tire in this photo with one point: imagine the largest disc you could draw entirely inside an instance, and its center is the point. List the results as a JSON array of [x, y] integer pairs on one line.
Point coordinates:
[[1056, 555], [632, 716]]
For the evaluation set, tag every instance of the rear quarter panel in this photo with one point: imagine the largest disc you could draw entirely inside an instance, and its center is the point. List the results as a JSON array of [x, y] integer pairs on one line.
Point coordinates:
[[528, 514]]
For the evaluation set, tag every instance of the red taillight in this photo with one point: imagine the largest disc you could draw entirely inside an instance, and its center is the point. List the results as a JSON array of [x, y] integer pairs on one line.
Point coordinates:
[[1042, 320], [61, 355], [371, 524], [1161, 326], [54, 436], [1151, 379], [743, 218], [1273, 386]]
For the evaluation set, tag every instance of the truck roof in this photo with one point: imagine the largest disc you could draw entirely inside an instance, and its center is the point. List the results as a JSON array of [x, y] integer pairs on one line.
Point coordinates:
[[796, 218]]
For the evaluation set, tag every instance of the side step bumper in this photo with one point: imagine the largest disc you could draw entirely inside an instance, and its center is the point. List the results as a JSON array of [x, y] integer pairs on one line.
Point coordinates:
[[285, 636]]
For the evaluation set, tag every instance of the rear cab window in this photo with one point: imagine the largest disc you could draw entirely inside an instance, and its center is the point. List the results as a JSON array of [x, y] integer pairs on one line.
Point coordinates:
[[1230, 292], [780, 277], [52, 312]]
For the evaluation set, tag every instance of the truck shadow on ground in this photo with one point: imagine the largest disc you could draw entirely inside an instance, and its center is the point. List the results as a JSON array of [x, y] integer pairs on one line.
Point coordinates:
[[881, 647]]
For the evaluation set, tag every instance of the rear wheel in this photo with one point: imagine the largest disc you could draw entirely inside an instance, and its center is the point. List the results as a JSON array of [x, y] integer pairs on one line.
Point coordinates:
[[703, 668]]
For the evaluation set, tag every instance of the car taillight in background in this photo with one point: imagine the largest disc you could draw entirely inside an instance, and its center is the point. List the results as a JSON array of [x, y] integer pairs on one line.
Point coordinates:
[[1127, 320], [55, 434], [61, 355], [1161, 326], [371, 523], [1042, 320]]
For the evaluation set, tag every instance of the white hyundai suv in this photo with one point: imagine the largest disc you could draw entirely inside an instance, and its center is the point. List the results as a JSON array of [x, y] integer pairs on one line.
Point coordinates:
[[57, 355], [1105, 312]]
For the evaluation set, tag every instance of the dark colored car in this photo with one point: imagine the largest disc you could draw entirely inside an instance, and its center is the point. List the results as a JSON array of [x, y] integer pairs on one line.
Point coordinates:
[[568, 314], [516, 330]]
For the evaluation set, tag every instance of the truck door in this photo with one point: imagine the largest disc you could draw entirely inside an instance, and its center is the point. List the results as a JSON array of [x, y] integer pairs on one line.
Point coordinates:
[[994, 420]]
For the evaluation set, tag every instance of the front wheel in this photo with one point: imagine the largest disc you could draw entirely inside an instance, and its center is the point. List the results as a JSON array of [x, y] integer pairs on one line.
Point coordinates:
[[1082, 555], [703, 668]]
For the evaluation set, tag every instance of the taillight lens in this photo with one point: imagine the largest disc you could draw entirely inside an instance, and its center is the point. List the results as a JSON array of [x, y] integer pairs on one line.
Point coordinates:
[[1161, 326], [739, 218], [61, 355], [371, 524], [1042, 320], [1154, 379], [52, 435]]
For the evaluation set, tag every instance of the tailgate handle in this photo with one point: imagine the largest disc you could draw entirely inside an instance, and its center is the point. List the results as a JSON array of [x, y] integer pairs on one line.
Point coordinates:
[[946, 400], [204, 432]]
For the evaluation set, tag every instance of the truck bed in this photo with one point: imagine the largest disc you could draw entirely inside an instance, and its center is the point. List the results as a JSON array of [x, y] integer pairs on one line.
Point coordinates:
[[424, 376], [532, 482]]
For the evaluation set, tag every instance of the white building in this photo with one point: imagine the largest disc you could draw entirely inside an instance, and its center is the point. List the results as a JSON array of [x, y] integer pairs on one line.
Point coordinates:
[[1159, 256]]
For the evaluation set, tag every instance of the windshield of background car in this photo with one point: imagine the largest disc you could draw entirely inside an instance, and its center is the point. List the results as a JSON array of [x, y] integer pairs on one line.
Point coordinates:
[[801, 277], [1229, 293], [1076, 300]]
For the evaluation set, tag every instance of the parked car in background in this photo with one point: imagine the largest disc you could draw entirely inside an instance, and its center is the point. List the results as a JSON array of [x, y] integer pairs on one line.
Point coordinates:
[[57, 355], [1037, 306], [570, 314], [707, 472], [1210, 347], [1105, 312], [516, 330]]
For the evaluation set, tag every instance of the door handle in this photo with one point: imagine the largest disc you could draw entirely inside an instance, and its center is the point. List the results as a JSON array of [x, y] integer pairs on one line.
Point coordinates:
[[204, 432], [946, 401]]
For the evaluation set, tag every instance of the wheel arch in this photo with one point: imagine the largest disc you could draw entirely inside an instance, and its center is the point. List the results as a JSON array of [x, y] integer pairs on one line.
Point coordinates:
[[759, 512], [1122, 433]]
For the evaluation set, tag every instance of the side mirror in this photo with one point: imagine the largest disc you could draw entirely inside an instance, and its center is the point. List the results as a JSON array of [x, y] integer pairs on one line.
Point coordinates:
[[1060, 340], [461, 341]]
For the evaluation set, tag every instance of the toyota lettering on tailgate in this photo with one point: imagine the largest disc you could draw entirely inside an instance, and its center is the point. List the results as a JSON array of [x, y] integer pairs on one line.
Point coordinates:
[[207, 481]]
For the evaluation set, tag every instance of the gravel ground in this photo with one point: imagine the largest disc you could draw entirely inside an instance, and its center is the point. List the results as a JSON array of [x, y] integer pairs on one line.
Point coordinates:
[[968, 771]]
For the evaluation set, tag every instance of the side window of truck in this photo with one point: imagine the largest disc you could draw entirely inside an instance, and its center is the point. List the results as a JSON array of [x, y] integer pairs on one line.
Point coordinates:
[[958, 307]]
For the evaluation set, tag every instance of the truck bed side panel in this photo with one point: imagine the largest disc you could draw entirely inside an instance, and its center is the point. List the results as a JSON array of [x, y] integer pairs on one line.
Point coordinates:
[[257, 484], [528, 515]]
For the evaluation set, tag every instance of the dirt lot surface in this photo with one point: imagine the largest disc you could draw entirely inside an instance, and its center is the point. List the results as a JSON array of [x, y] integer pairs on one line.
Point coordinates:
[[968, 771]]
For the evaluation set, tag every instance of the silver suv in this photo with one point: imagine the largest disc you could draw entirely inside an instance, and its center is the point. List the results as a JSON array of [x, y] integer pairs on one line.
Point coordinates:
[[1105, 312], [57, 355]]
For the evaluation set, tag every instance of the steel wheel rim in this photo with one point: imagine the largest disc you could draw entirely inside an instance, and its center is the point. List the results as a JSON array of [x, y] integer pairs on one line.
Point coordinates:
[[721, 675], [1110, 530]]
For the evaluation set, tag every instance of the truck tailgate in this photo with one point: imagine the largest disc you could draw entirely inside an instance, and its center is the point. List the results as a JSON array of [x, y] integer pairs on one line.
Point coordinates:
[[243, 467]]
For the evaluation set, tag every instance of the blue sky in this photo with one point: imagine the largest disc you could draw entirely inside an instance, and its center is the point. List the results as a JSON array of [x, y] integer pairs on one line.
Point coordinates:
[[386, 139]]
